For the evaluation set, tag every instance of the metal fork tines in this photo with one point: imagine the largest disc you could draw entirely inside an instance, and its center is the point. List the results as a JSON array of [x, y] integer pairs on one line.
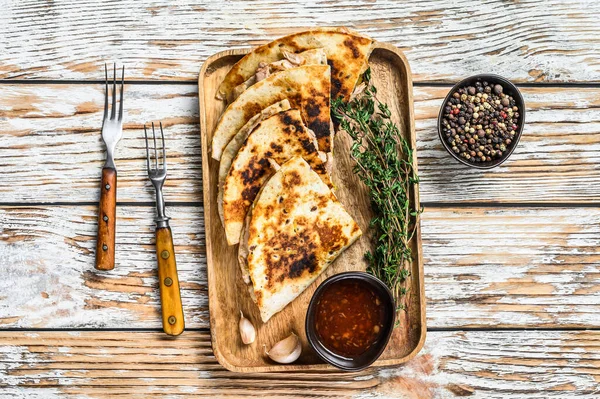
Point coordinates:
[[112, 127], [157, 174], [168, 282], [112, 130]]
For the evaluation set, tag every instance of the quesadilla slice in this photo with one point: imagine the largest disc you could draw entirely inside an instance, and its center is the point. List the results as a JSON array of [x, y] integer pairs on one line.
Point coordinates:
[[306, 87], [347, 53], [279, 138], [290, 60], [297, 228], [236, 142]]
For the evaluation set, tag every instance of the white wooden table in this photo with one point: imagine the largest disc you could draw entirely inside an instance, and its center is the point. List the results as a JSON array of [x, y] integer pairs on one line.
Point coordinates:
[[512, 258]]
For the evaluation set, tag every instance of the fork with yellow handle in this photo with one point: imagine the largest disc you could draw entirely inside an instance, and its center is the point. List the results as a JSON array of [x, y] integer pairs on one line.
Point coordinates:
[[170, 296]]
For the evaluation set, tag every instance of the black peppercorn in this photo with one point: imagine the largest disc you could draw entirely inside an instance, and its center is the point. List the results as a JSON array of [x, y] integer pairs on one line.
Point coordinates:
[[480, 122]]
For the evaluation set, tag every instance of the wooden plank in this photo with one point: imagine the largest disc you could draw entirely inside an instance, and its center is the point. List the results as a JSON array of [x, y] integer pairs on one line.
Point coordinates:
[[525, 40], [505, 267], [56, 128], [484, 267], [103, 364], [50, 281], [558, 158]]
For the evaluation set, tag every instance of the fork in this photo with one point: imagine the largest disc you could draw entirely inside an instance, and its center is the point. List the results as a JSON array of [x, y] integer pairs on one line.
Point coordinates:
[[112, 130], [170, 296]]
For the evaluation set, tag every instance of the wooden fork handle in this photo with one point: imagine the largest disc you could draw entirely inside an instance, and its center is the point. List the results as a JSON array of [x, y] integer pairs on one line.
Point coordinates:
[[170, 296], [107, 217]]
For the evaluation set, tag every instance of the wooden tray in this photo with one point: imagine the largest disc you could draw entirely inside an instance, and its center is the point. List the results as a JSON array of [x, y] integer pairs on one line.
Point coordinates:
[[228, 293]]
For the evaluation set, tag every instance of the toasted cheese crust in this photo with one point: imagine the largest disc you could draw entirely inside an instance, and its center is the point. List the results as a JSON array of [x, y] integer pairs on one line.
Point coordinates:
[[306, 87], [291, 60], [279, 138], [238, 140], [297, 228], [347, 53]]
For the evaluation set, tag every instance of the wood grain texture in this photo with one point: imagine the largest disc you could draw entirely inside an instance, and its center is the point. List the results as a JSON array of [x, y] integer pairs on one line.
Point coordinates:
[[557, 160], [523, 40], [57, 128], [49, 279], [107, 212], [484, 267], [505, 267], [170, 296], [497, 365], [228, 294]]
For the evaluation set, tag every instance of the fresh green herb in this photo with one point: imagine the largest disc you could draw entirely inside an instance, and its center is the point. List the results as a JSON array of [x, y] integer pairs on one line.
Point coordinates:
[[384, 163]]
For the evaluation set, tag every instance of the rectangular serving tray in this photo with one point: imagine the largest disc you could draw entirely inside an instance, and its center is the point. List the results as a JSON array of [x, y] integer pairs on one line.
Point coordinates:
[[227, 292]]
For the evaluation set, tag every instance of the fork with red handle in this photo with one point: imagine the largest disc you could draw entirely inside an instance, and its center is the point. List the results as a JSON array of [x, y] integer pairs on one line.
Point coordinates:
[[112, 130]]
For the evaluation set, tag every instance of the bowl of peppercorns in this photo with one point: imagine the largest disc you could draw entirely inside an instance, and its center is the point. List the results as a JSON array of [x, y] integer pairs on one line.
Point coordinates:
[[481, 120]]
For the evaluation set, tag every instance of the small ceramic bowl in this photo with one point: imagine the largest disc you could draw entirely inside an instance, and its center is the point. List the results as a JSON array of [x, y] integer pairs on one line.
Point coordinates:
[[509, 89], [367, 358]]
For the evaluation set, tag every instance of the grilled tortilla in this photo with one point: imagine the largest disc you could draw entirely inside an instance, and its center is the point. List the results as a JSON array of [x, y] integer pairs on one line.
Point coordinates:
[[279, 138], [290, 60], [347, 53], [306, 87], [236, 142], [296, 229]]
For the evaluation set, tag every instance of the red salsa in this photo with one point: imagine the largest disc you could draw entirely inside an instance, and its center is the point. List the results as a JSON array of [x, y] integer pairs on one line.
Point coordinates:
[[349, 317]]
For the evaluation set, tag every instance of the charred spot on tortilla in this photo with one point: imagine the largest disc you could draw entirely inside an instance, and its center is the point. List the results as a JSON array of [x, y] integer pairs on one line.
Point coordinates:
[[308, 145], [299, 81], [286, 118], [293, 265], [308, 262], [352, 46], [276, 147], [275, 140], [249, 194], [313, 109], [321, 129], [292, 245], [292, 124], [284, 265], [255, 170]]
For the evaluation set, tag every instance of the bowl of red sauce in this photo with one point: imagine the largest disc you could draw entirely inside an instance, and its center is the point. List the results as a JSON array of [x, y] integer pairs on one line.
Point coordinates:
[[350, 320]]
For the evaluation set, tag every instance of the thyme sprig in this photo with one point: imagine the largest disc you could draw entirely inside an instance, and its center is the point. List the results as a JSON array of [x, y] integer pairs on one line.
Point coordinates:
[[384, 163]]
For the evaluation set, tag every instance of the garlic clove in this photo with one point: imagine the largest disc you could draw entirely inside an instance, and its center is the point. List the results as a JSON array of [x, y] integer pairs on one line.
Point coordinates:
[[247, 330], [286, 351]]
